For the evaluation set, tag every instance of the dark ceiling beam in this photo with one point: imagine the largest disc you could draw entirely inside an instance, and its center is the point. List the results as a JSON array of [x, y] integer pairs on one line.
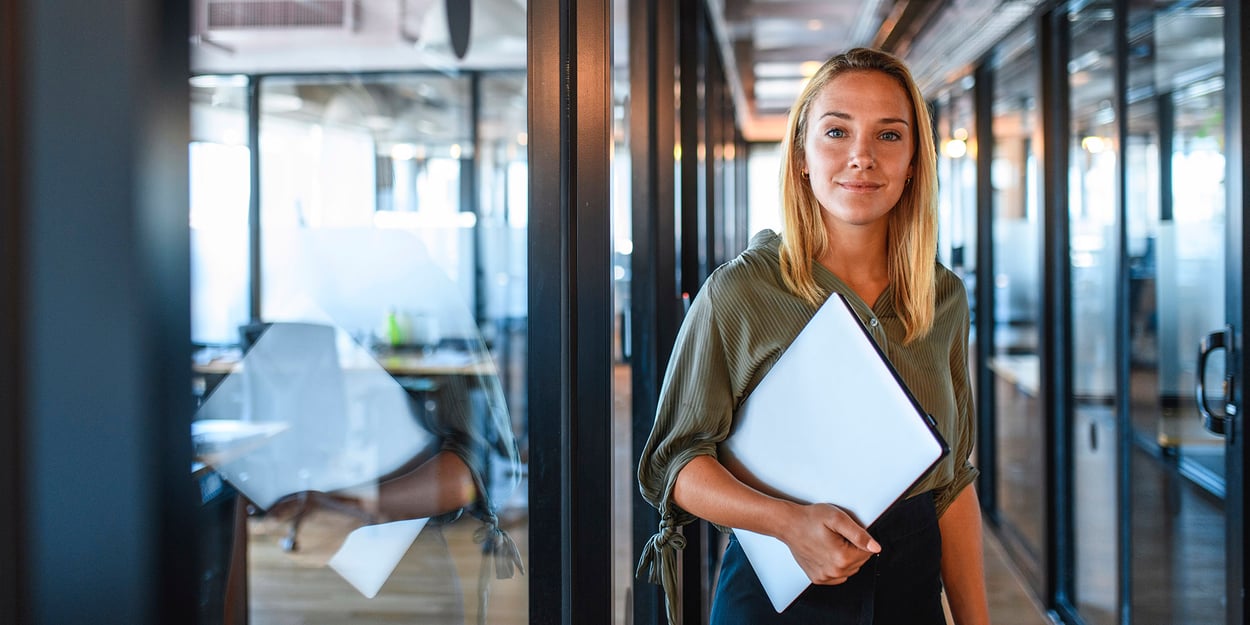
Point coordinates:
[[905, 21], [744, 58]]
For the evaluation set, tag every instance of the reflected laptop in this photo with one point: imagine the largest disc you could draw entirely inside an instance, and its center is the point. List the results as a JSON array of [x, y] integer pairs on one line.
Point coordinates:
[[831, 422]]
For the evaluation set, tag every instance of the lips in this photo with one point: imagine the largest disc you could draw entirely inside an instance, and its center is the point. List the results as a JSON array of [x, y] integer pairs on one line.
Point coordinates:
[[860, 187]]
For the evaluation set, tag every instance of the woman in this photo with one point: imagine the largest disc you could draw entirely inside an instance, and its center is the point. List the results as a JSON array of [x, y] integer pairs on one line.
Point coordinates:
[[859, 188]]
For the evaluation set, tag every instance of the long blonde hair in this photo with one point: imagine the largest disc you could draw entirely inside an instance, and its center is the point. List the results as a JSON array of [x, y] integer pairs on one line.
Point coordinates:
[[912, 225]]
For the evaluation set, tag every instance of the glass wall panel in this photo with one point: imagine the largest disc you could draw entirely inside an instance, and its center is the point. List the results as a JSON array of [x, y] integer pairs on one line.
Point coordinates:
[[220, 198], [763, 197], [1093, 142], [1015, 174], [624, 482], [957, 212], [1175, 219], [372, 418]]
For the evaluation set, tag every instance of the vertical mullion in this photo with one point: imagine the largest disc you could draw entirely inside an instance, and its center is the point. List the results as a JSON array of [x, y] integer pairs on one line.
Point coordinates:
[[688, 107], [1055, 319], [12, 250], [691, 47], [253, 209], [570, 310], [548, 326], [1055, 349], [1123, 309], [470, 197], [653, 285], [987, 446], [591, 467], [1237, 72]]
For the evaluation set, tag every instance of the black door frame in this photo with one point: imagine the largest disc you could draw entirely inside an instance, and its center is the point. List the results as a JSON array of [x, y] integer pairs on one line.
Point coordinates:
[[98, 497], [1237, 280], [570, 310]]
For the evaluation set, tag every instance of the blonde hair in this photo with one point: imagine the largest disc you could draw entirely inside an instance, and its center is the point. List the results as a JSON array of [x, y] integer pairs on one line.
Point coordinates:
[[912, 224]]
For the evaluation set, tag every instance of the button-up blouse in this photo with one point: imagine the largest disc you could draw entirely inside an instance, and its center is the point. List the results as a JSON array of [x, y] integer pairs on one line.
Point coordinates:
[[740, 322]]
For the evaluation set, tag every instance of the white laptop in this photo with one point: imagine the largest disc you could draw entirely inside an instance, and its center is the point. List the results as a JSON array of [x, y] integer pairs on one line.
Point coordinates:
[[831, 422]]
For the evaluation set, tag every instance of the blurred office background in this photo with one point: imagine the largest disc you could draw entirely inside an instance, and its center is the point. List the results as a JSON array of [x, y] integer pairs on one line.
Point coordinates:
[[501, 208]]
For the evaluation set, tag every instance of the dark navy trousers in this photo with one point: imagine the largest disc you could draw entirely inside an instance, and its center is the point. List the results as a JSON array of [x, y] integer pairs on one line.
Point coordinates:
[[899, 586]]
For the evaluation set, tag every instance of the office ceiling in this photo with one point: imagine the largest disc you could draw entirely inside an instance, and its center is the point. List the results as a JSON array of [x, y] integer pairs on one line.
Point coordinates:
[[776, 44], [771, 44]]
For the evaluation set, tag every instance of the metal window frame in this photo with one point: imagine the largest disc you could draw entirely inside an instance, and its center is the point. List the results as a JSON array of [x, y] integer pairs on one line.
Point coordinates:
[[1055, 349], [1237, 137], [570, 300], [655, 301], [12, 395], [983, 105]]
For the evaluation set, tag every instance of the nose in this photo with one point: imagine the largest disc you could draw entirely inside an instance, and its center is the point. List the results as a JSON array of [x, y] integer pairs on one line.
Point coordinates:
[[861, 156]]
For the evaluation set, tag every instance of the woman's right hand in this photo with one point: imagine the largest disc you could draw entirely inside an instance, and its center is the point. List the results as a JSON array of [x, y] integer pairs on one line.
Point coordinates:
[[827, 543]]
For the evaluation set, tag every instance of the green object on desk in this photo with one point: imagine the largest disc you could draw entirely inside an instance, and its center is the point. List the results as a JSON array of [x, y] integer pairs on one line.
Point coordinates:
[[393, 334]]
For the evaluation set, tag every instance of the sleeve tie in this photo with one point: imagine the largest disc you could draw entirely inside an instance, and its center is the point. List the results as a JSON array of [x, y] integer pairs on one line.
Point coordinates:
[[659, 560]]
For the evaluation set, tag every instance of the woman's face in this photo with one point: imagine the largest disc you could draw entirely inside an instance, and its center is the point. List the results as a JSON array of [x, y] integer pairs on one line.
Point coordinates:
[[859, 147]]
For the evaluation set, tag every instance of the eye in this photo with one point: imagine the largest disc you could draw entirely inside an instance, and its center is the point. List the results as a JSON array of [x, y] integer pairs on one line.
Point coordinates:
[[836, 133], [892, 135]]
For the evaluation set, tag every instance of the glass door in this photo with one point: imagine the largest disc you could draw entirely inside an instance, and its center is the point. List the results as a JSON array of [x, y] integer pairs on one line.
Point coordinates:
[[359, 221], [1094, 252], [1177, 264], [1019, 426]]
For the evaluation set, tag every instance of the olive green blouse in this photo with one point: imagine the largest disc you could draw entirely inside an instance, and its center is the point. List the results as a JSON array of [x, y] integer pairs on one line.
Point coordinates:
[[741, 321]]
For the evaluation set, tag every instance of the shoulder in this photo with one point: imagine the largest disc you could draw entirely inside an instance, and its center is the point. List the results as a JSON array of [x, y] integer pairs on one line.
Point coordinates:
[[948, 284], [951, 299], [757, 268]]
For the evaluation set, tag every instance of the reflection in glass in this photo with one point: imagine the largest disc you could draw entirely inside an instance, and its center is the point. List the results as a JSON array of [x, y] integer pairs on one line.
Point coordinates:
[[1093, 143], [1175, 219], [341, 434], [373, 415], [1017, 236]]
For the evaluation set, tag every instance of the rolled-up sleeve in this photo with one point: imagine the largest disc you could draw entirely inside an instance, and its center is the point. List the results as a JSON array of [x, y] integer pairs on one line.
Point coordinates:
[[694, 414], [965, 437]]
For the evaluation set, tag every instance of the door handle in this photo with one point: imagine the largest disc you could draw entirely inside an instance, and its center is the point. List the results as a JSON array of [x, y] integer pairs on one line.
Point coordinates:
[[1216, 424]]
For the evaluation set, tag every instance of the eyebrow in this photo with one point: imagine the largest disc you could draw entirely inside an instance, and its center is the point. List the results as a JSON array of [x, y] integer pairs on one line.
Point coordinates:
[[847, 116]]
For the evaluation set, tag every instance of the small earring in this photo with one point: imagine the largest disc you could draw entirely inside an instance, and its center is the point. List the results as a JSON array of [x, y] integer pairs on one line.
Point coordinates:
[[908, 179], [806, 175]]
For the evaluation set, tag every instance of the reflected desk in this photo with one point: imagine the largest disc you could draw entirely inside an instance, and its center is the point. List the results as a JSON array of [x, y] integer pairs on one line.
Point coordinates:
[[396, 362]]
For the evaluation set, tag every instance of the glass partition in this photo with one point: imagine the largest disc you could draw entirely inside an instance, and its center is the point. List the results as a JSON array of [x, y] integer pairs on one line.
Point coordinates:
[[370, 419], [1093, 144], [957, 212], [219, 163], [1175, 217], [1017, 235]]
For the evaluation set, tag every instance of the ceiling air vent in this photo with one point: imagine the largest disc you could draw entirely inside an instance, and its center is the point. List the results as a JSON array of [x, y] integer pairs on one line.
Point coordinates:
[[297, 15]]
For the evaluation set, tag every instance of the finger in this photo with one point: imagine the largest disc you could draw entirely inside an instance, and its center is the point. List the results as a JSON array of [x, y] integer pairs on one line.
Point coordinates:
[[856, 535]]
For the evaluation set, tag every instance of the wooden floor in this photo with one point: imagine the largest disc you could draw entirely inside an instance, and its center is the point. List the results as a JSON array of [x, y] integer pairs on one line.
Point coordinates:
[[437, 581]]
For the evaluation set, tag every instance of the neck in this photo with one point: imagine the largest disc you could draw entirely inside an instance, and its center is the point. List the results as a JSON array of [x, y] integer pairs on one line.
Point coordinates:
[[857, 256]]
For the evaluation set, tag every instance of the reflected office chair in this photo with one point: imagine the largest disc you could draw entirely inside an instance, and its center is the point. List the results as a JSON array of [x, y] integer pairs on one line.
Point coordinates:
[[296, 375]]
